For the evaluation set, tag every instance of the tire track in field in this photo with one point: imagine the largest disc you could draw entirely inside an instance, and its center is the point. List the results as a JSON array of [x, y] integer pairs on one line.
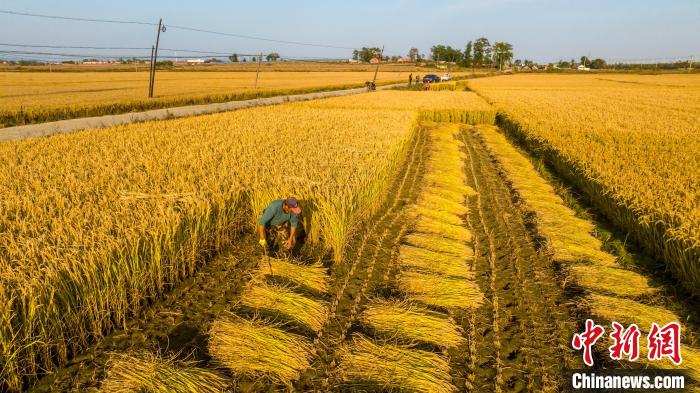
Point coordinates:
[[378, 243], [518, 332]]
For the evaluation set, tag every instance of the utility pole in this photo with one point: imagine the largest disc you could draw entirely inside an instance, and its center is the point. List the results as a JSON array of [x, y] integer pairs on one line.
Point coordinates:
[[690, 63], [257, 72], [376, 70], [154, 58]]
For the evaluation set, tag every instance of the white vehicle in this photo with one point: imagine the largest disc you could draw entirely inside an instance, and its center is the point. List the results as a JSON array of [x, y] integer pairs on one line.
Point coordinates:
[[445, 77]]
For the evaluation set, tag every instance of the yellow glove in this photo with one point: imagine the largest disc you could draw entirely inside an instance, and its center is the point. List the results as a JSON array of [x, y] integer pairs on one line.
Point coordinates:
[[262, 242]]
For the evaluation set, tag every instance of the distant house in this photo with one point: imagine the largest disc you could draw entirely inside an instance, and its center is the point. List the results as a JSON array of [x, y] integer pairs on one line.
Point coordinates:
[[353, 61], [404, 60], [374, 60], [582, 67], [195, 61]]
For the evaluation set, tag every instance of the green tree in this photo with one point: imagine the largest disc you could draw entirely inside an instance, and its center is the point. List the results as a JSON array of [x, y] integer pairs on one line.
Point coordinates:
[[233, 58], [502, 53], [446, 53], [598, 64], [585, 60], [356, 54], [367, 54], [468, 57], [482, 52], [414, 54], [274, 56]]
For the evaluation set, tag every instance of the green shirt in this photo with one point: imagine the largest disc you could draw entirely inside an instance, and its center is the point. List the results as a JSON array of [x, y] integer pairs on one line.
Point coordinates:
[[275, 215]]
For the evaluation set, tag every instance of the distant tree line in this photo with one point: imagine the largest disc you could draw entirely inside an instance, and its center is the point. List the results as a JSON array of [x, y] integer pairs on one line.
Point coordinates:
[[273, 56], [477, 53]]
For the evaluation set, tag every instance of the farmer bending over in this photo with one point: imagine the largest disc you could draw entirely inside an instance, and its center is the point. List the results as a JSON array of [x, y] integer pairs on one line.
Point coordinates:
[[279, 221]]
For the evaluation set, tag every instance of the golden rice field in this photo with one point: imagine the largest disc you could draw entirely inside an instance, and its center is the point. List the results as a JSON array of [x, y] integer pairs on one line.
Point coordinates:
[[631, 142], [32, 97], [447, 262], [103, 220]]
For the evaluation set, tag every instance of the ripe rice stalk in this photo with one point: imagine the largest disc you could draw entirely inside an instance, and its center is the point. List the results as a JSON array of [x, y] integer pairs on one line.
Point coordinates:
[[460, 116], [439, 244], [408, 323], [284, 305], [366, 366], [312, 278], [146, 372], [435, 227], [440, 291], [425, 261], [259, 351]]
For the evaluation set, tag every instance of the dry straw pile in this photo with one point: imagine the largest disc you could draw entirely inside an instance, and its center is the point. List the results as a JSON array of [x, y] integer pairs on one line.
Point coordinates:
[[435, 265], [129, 373], [368, 366], [259, 351]]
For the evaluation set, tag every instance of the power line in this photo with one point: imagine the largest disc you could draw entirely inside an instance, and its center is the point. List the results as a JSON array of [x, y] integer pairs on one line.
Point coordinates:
[[109, 48], [16, 53], [127, 22], [186, 28], [72, 47], [109, 56], [258, 38]]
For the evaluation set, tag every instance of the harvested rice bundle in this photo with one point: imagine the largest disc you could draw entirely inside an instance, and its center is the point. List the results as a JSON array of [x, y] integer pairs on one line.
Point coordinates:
[[410, 323], [439, 244], [281, 303], [422, 260], [612, 280], [368, 366], [440, 291], [629, 311], [255, 350], [150, 373], [451, 195], [432, 226], [312, 278], [437, 203], [415, 212]]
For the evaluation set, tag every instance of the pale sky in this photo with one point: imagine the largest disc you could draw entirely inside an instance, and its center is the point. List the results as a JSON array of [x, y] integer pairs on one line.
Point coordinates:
[[542, 30]]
